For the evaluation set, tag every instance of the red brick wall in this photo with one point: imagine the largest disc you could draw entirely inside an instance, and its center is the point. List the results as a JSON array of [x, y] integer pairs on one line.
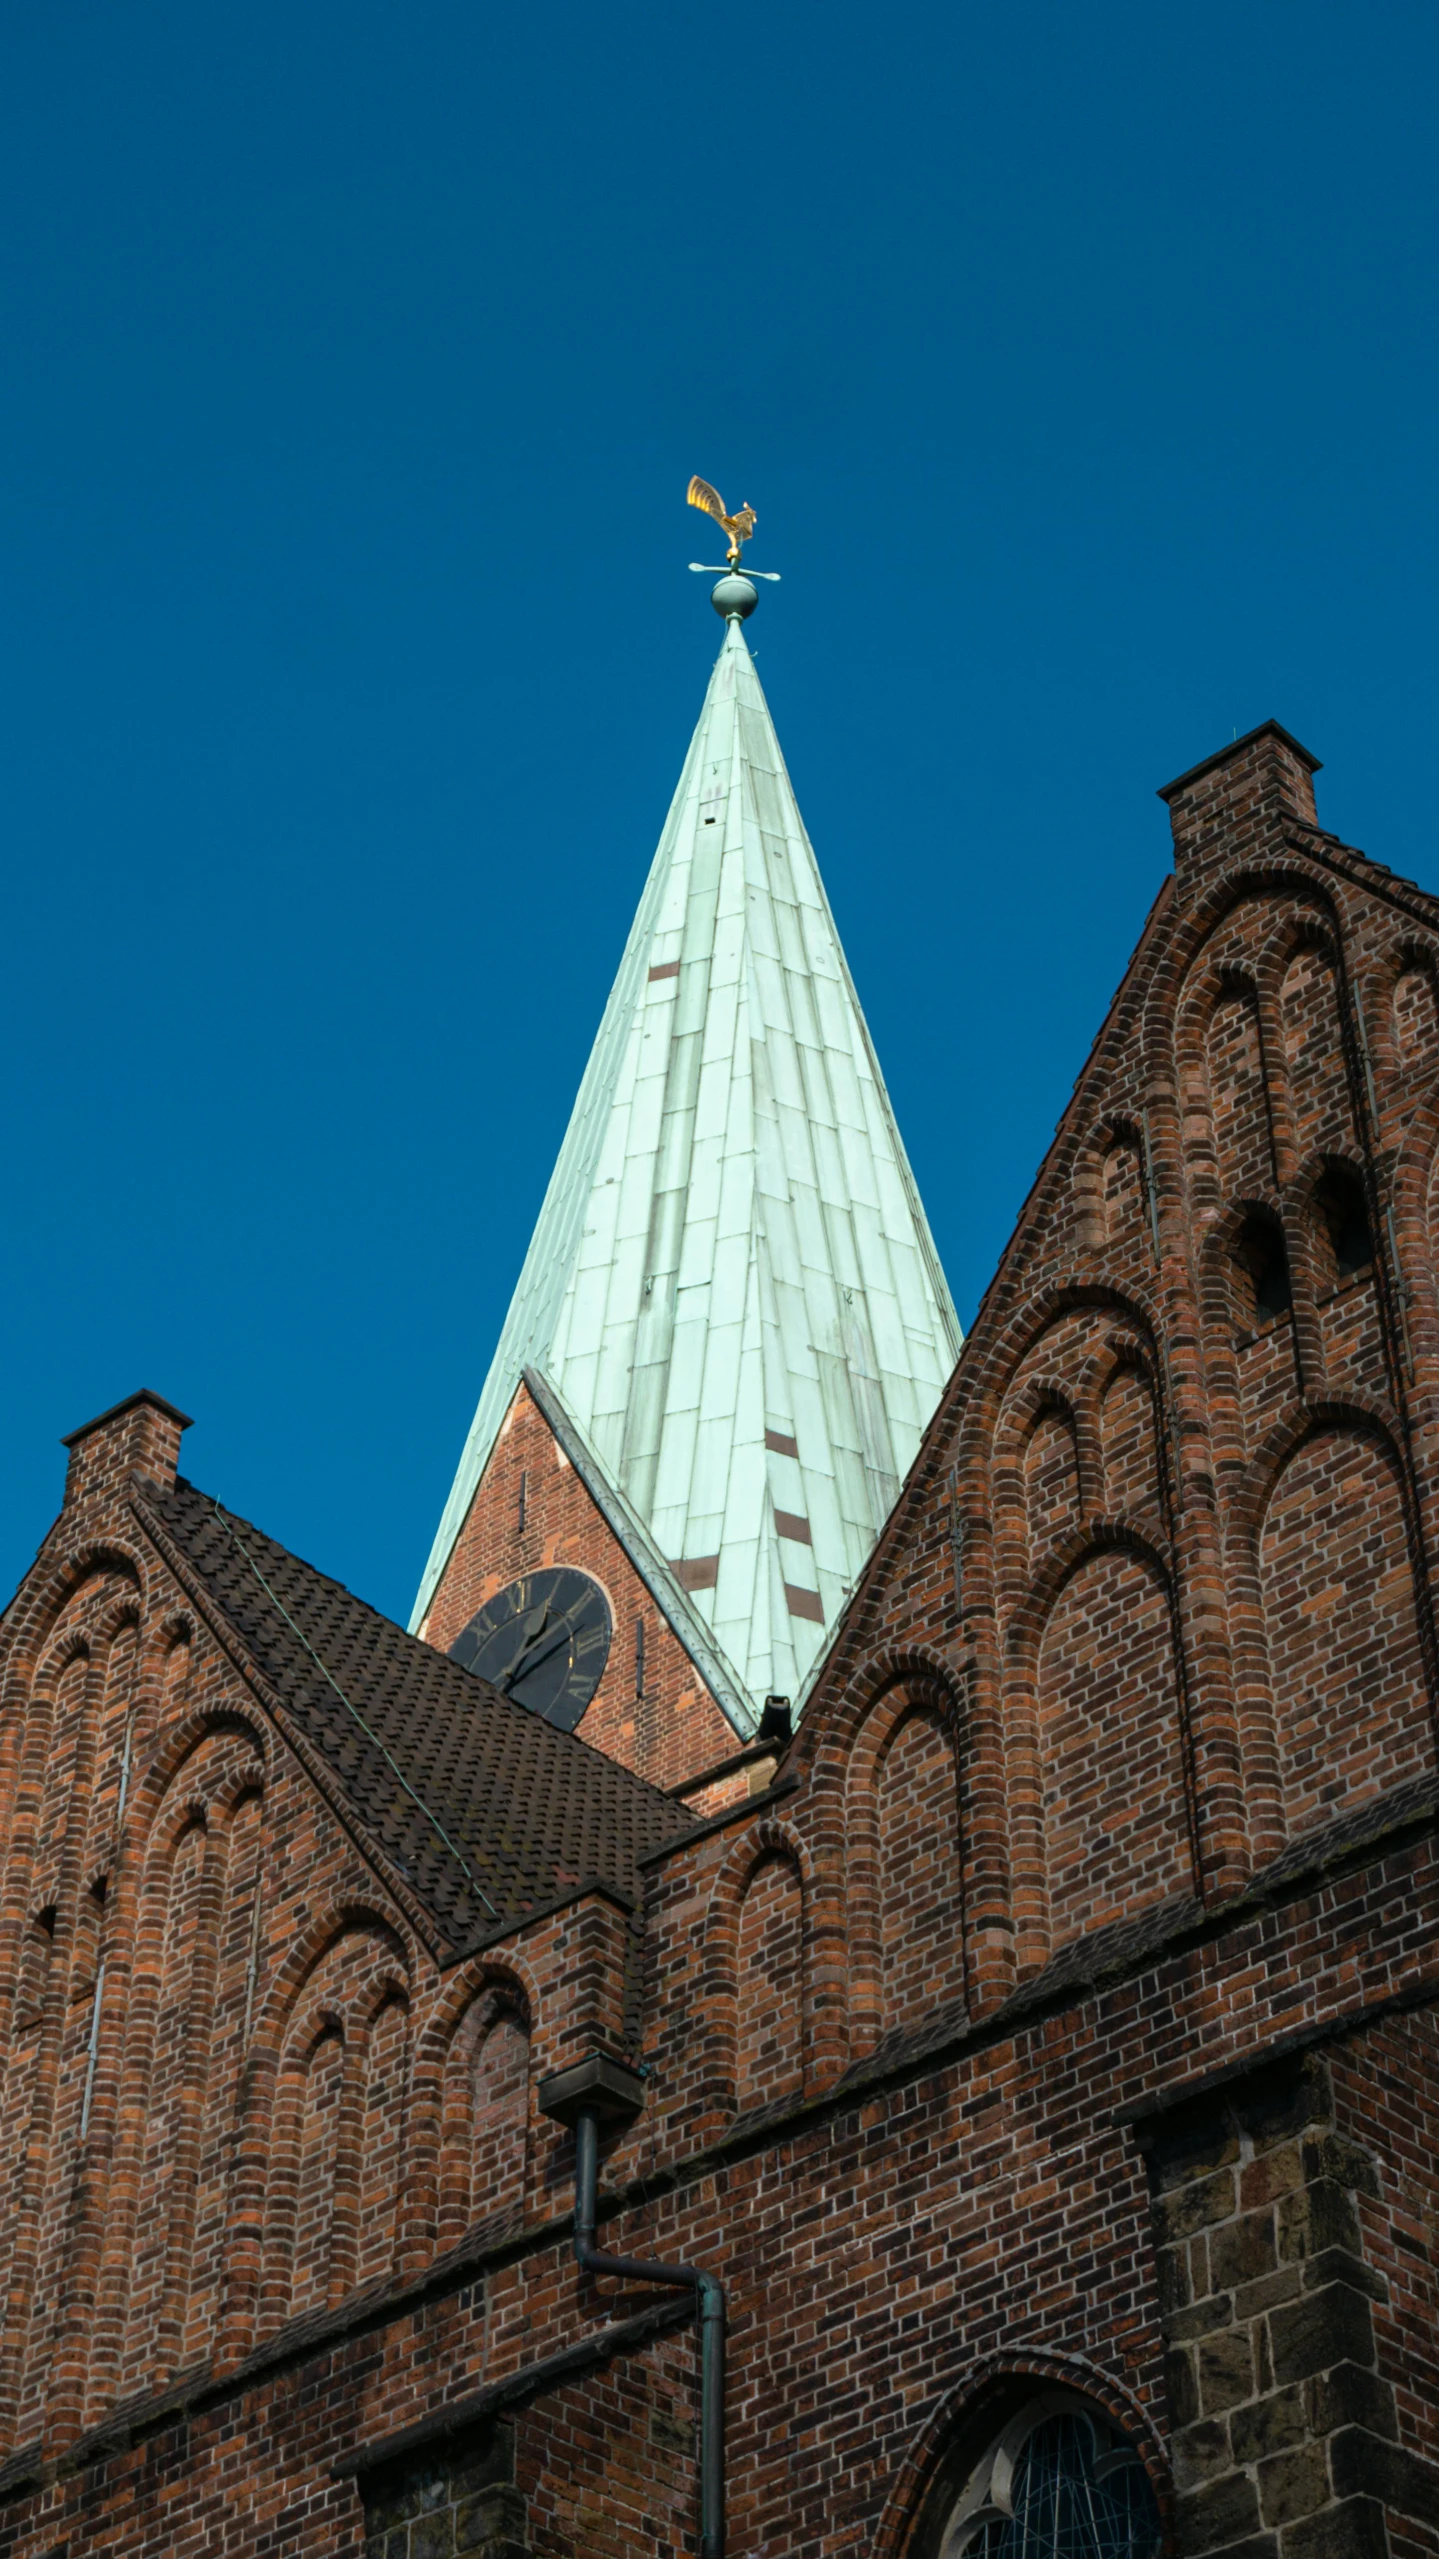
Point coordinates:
[[920, 1911], [674, 1730], [1352, 1709], [1416, 1018], [1238, 1102], [1113, 1776], [769, 1985]]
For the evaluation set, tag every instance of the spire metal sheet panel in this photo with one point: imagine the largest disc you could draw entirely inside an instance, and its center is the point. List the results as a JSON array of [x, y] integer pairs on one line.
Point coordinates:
[[732, 1245]]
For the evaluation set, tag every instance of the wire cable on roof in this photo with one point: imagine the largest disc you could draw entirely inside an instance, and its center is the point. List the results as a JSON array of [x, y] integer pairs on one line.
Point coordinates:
[[436, 1824]]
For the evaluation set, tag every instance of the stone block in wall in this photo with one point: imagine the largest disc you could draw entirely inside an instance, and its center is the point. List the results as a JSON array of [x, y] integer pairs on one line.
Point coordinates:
[[1244, 2248], [1210, 2518], [1194, 2207], [1317, 2216], [1201, 2453], [1350, 2395], [1293, 2483], [1226, 2370], [458, 2501], [1366, 2465], [1283, 2433], [1351, 2529], [1200, 2318], [1334, 2325], [1273, 2424]]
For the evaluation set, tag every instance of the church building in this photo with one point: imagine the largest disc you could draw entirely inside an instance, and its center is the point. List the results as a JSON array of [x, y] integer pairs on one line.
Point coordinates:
[[865, 1978]]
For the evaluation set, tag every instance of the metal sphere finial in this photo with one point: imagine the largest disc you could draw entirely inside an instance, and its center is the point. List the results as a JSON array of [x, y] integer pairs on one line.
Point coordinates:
[[734, 595]]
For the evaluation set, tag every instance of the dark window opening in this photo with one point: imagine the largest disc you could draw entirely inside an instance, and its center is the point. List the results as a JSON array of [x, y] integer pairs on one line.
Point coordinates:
[[1261, 1256], [458, 2494], [1345, 1212], [639, 1657]]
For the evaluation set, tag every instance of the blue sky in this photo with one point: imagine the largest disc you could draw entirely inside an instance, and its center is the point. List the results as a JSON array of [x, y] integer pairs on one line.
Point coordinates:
[[1081, 364]]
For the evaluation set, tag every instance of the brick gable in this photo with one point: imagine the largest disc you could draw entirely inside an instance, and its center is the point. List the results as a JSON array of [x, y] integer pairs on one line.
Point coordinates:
[[652, 1710]]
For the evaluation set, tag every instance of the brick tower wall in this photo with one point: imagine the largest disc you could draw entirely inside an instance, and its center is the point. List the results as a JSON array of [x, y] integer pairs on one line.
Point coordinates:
[[651, 1711]]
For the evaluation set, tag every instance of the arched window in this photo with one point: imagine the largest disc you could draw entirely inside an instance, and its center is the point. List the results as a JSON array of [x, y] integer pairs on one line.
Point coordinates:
[[1345, 1212], [1060, 2482], [1263, 1265]]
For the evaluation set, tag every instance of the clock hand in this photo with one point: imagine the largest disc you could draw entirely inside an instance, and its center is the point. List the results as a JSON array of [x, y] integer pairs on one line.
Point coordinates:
[[529, 1660], [532, 1628]]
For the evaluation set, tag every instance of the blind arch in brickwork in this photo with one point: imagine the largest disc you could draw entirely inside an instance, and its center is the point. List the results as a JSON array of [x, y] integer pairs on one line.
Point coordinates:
[[239, 1801], [1311, 1001], [1413, 1198], [1235, 1079], [160, 2059], [178, 1747], [769, 1983], [1095, 1652], [1406, 1014], [484, 2117], [1053, 1498], [997, 1379], [1346, 1656], [258, 2276], [312, 2120], [768, 1842], [1112, 1201], [28, 2093], [174, 1977], [482, 1984], [1226, 1287], [904, 1854], [1289, 947], [1237, 1089], [383, 2071], [64, 1585], [1129, 1440], [1123, 1193]]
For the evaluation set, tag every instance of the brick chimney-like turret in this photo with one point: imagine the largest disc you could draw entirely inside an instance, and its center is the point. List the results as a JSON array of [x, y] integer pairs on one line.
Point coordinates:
[[1241, 799], [139, 1437]]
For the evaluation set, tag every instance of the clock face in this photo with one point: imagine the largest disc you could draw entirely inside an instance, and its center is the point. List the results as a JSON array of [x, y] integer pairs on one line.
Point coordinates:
[[544, 1642]]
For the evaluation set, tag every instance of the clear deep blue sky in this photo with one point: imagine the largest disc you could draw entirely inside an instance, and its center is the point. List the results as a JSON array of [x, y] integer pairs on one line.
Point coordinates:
[[1081, 363]]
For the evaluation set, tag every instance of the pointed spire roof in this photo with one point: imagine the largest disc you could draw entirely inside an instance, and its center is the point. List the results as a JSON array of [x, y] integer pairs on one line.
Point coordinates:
[[732, 1288]]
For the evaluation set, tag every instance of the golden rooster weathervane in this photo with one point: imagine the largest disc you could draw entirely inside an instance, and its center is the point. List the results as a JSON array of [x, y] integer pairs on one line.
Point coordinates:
[[735, 595], [738, 527]]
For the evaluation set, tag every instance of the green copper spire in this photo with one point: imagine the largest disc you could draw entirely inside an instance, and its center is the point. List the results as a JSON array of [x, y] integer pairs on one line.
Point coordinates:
[[732, 1288]]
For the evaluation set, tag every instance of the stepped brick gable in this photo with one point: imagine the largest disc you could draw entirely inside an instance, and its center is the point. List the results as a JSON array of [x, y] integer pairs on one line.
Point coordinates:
[[1040, 2049]]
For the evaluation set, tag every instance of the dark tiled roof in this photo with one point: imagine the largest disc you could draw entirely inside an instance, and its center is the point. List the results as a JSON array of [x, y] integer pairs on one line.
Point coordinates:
[[530, 1813]]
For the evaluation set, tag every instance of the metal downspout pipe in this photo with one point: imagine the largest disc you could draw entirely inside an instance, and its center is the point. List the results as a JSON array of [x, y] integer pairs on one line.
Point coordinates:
[[709, 2293]]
